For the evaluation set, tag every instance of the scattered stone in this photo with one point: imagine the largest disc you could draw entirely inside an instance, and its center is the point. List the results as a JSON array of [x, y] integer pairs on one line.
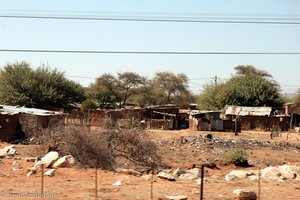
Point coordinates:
[[236, 174], [253, 178], [287, 171], [64, 161], [177, 197], [8, 151], [16, 166], [165, 175], [50, 172], [32, 170], [49, 158], [242, 194], [178, 171], [117, 183], [271, 174], [189, 176], [230, 177]]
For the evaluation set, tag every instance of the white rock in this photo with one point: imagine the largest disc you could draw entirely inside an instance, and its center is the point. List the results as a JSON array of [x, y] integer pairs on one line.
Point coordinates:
[[16, 166], [32, 170], [253, 178], [189, 176], [271, 174], [8, 151], [166, 176], [287, 171], [117, 183], [178, 171], [230, 177], [49, 158], [177, 197], [64, 161], [194, 171], [239, 174], [50, 172]]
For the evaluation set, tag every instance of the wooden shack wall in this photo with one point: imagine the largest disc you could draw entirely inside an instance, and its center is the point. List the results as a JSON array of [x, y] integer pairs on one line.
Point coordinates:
[[8, 127], [34, 124], [264, 123], [98, 117]]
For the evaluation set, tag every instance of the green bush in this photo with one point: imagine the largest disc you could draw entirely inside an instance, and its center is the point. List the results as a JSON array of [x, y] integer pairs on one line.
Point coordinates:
[[87, 104], [236, 157]]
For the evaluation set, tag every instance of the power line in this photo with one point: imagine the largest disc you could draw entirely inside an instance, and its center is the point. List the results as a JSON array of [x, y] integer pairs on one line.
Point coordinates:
[[286, 21], [83, 77], [147, 52], [44, 11]]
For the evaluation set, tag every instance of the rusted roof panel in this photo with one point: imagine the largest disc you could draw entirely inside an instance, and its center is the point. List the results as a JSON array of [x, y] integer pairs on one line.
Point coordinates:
[[246, 111], [13, 110]]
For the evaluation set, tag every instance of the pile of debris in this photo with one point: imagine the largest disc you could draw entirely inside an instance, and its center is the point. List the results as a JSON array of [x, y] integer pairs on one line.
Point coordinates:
[[199, 142]]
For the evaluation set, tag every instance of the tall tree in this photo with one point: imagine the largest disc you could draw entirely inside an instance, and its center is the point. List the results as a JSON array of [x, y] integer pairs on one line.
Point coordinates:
[[104, 90], [172, 86], [129, 83], [249, 70], [249, 87], [109, 89], [41, 88], [212, 97]]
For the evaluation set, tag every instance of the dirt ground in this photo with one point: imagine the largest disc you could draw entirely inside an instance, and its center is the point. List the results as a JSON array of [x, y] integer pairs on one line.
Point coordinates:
[[178, 149]]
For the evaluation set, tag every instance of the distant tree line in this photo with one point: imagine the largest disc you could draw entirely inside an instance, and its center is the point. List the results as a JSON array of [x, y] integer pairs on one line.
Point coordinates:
[[48, 88]]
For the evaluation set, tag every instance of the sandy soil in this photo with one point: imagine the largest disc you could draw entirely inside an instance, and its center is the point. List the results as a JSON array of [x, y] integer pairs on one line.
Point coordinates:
[[79, 183]]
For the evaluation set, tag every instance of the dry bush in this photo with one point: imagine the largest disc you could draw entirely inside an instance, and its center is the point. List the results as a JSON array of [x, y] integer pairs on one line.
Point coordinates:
[[129, 140], [88, 148], [119, 139]]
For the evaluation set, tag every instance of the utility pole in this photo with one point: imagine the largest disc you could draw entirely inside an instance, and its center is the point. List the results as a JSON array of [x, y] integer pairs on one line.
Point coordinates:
[[216, 80]]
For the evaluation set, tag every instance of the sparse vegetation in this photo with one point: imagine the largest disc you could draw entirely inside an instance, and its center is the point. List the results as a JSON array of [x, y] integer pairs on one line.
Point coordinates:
[[105, 146], [237, 157]]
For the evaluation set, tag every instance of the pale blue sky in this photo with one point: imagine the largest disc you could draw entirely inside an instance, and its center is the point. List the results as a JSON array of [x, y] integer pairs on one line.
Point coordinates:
[[154, 36]]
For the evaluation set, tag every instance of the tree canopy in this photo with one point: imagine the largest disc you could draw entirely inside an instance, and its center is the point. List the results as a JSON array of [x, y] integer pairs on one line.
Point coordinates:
[[248, 87], [41, 88], [129, 87]]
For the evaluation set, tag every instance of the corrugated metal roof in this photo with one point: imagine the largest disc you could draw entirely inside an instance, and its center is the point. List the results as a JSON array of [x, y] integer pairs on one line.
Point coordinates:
[[246, 111], [13, 110]]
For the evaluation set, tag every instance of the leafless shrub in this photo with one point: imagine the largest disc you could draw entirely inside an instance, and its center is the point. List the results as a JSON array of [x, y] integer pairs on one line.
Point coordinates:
[[119, 139], [131, 142]]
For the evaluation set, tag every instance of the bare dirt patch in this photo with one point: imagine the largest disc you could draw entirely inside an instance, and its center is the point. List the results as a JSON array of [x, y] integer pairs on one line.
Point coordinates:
[[178, 149]]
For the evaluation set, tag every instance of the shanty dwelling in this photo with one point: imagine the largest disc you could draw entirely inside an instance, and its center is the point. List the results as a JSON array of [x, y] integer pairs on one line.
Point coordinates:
[[20, 122], [205, 121], [257, 118], [293, 110], [98, 117], [183, 118], [162, 117]]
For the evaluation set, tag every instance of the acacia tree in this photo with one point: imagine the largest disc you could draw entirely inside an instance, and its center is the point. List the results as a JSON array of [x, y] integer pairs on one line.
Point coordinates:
[[129, 83], [249, 87], [104, 90], [171, 86], [42, 88], [109, 89]]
